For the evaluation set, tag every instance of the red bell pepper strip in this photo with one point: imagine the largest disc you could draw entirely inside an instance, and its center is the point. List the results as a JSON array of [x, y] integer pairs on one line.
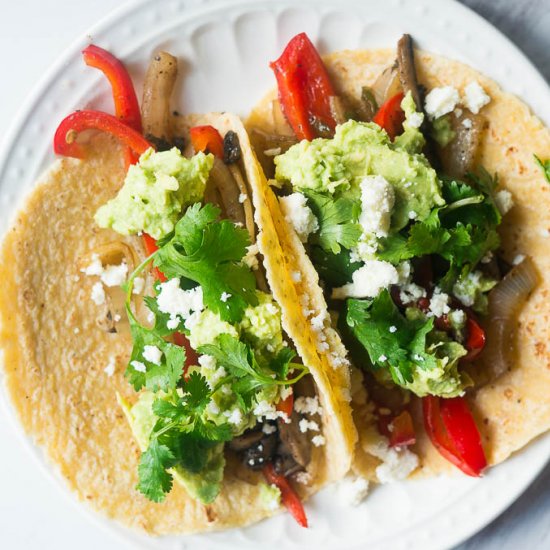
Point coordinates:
[[150, 247], [207, 139], [475, 339], [304, 88], [65, 136], [453, 432], [289, 498], [191, 357], [124, 95], [286, 405], [390, 116], [402, 430]]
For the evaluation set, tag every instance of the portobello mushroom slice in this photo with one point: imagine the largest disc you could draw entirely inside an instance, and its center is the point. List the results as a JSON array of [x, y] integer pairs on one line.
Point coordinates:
[[293, 441], [155, 108], [409, 82], [458, 157]]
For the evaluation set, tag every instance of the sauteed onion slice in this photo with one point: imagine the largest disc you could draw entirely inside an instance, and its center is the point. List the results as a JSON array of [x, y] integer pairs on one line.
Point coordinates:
[[505, 301]]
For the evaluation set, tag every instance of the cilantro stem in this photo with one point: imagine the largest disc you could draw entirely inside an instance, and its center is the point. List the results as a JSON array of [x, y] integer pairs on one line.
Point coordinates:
[[463, 202], [129, 286]]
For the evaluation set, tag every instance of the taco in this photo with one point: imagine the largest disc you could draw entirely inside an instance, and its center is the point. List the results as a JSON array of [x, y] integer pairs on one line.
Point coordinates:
[[144, 343], [415, 193]]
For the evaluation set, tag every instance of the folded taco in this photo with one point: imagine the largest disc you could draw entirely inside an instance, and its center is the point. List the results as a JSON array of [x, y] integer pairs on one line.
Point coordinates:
[[144, 342], [415, 193]]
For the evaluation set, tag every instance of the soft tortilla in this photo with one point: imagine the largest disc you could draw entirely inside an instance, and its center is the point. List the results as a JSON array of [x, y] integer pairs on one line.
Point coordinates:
[[515, 409], [55, 353]]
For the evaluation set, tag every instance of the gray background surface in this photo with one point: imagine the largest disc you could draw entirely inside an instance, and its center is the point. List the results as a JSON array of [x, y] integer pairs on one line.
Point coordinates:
[[526, 524]]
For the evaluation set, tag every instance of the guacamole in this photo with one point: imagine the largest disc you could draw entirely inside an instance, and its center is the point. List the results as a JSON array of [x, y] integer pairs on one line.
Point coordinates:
[[155, 191], [360, 149]]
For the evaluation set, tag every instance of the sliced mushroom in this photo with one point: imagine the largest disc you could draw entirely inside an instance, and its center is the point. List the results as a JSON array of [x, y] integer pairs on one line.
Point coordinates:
[[407, 70], [409, 82], [157, 89], [294, 441], [246, 440], [229, 191], [458, 157]]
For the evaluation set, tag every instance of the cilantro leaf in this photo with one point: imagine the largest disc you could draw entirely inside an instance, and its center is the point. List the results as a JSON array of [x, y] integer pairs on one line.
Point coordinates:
[[154, 480], [398, 351], [544, 166], [334, 269], [198, 391], [337, 219], [164, 376], [209, 252]]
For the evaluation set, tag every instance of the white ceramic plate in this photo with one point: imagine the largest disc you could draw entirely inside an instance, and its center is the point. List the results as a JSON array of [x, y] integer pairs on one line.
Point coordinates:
[[224, 48]]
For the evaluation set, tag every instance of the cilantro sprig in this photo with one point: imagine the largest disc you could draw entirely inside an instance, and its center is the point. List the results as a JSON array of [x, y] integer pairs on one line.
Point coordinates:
[[210, 252], [400, 350], [246, 375], [461, 232], [181, 437]]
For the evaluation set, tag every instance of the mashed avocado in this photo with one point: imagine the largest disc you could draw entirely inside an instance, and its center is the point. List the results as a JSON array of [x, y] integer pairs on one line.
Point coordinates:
[[155, 191], [442, 130], [411, 140], [204, 485], [359, 149], [444, 380], [471, 290], [208, 327], [261, 325]]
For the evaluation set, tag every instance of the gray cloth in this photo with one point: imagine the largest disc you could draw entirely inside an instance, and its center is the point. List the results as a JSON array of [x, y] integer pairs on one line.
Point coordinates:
[[526, 524]]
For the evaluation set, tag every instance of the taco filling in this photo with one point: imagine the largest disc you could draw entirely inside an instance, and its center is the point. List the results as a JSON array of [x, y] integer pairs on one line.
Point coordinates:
[[401, 224]]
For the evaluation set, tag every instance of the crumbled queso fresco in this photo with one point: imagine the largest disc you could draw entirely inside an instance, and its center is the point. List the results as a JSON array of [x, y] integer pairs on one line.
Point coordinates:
[[368, 280], [443, 100], [299, 214]]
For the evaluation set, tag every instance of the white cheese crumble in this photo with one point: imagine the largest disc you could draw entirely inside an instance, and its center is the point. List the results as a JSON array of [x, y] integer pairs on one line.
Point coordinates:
[[296, 276], [504, 201], [243, 197], [139, 284], [415, 120], [114, 275], [234, 416], [377, 200], [307, 405], [98, 294], [382, 358], [306, 425], [299, 214], [269, 428], [368, 280], [397, 463], [518, 259], [303, 478], [318, 440], [467, 123], [109, 370], [393, 329], [264, 409], [177, 302], [225, 296], [411, 292], [352, 490], [439, 303], [460, 289], [475, 97], [152, 354], [95, 267], [139, 366], [441, 101], [251, 259]]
